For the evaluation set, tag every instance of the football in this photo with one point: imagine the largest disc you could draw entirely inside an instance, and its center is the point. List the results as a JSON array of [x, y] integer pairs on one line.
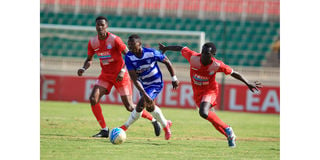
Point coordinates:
[[117, 136]]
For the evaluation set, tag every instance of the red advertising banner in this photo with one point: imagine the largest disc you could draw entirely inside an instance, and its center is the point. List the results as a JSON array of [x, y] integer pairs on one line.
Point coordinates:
[[236, 97]]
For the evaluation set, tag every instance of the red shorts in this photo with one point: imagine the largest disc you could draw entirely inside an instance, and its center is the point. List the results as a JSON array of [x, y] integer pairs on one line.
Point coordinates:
[[123, 87], [208, 96]]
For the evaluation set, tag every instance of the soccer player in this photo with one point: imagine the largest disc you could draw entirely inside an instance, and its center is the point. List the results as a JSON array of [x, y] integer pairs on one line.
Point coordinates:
[[143, 69], [108, 48], [203, 69]]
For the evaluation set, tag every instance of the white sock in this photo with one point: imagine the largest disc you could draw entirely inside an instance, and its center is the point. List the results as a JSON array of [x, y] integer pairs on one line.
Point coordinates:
[[106, 129], [157, 114], [134, 115]]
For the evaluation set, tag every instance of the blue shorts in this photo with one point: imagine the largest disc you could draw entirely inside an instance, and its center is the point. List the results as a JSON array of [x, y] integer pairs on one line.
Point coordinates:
[[153, 91]]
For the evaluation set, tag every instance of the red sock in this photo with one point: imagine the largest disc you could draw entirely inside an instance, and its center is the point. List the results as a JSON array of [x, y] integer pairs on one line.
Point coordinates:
[[146, 115], [96, 109], [124, 127], [217, 122], [220, 129]]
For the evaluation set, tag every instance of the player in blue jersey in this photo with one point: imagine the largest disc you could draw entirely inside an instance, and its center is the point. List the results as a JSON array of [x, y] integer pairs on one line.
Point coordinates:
[[146, 75]]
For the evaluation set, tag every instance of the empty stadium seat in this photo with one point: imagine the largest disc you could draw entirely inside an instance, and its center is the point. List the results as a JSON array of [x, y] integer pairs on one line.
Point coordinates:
[[246, 42]]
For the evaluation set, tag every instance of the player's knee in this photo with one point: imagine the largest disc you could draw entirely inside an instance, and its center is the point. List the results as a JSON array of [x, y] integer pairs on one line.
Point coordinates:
[[139, 108], [129, 108], [93, 100], [150, 108], [203, 113]]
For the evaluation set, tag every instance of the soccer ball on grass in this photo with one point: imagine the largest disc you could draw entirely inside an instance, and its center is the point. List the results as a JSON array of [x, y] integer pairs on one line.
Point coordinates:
[[117, 136]]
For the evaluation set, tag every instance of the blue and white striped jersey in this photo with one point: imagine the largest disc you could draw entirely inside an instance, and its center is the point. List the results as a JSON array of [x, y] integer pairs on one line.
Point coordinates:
[[146, 67]]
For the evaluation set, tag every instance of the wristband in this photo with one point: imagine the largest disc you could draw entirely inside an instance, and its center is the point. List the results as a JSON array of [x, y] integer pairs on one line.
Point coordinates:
[[174, 78], [123, 70], [83, 68]]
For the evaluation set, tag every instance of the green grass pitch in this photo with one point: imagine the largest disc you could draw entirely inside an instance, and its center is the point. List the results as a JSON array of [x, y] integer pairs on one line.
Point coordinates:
[[66, 130]]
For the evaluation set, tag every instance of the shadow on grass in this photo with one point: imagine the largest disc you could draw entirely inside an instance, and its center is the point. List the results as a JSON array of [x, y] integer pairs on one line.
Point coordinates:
[[146, 143], [61, 135], [69, 137], [275, 149]]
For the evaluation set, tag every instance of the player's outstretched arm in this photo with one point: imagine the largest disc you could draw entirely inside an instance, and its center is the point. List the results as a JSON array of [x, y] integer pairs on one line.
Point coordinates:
[[256, 85], [175, 82], [164, 48], [86, 65]]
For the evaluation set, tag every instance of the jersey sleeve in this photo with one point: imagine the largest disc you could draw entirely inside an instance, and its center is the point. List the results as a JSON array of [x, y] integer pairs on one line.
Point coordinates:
[[187, 53], [128, 63], [90, 49], [225, 68], [119, 44], [158, 55]]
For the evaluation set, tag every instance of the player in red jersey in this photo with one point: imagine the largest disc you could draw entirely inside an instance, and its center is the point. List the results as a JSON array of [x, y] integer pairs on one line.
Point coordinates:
[[108, 48], [203, 69]]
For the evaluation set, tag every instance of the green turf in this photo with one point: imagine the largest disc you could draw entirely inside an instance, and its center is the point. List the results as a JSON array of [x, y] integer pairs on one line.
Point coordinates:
[[66, 130]]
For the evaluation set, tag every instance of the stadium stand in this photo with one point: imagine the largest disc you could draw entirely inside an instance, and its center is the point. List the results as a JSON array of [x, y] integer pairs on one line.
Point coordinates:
[[191, 8], [246, 43]]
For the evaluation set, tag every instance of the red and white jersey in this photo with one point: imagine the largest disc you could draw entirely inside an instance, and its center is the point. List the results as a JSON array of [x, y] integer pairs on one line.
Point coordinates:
[[109, 53], [203, 77]]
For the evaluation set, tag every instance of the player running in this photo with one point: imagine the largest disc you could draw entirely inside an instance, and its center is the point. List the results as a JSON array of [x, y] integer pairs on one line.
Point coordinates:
[[108, 48], [203, 69], [142, 65]]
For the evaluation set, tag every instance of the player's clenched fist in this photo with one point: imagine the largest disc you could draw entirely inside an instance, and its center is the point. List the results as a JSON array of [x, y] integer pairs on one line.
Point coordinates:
[[175, 84], [81, 71]]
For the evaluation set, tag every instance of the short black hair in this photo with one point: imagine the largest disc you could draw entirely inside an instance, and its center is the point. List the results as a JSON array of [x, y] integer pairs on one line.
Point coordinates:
[[102, 17], [135, 36], [212, 45]]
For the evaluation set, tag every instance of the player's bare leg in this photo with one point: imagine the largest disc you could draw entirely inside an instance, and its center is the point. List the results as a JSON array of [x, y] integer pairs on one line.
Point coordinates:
[[223, 128], [127, 102], [96, 94]]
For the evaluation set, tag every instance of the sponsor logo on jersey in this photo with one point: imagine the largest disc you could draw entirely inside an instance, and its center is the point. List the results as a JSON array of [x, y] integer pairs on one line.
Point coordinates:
[[105, 58], [142, 69], [200, 83], [104, 54], [200, 80]]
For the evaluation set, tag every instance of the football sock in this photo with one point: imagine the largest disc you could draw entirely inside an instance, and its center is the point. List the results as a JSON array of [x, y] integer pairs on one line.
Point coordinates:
[[146, 115], [96, 109], [134, 115], [124, 127], [216, 121], [157, 114], [220, 129]]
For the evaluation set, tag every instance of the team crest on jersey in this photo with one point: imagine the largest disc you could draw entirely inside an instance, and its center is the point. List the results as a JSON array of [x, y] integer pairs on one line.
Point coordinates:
[[134, 63], [109, 46], [211, 73]]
